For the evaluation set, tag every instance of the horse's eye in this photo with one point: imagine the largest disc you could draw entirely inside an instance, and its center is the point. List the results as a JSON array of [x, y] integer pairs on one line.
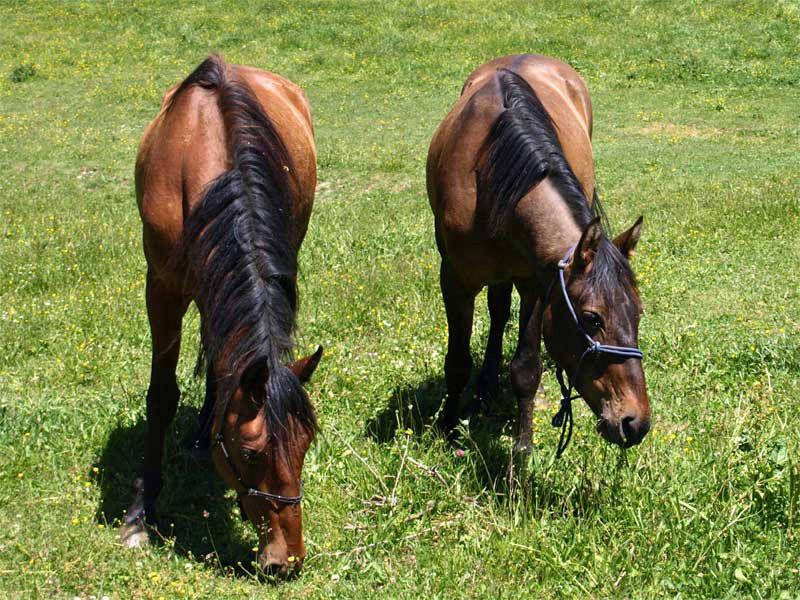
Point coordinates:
[[249, 455], [593, 321]]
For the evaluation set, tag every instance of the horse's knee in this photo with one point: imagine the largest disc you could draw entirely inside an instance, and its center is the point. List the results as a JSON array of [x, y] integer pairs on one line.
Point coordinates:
[[162, 399], [457, 366], [525, 375]]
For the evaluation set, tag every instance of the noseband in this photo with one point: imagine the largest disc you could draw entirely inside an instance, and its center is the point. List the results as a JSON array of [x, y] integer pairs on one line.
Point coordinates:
[[563, 418], [243, 490]]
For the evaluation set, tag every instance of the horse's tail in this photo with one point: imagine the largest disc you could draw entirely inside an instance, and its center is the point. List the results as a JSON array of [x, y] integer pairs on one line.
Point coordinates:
[[523, 149], [238, 241]]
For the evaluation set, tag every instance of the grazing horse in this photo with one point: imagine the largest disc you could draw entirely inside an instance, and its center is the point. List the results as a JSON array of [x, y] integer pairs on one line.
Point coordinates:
[[225, 179], [511, 184]]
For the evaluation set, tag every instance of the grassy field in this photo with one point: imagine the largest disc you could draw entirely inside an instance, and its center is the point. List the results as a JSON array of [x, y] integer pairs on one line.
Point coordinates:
[[697, 127]]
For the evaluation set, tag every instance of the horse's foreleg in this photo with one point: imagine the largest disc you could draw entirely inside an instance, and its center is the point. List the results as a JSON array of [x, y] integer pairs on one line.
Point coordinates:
[[526, 367], [459, 304], [165, 312], [499, 298]]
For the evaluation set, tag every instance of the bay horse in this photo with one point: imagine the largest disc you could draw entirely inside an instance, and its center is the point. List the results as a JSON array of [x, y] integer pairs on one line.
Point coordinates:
[[225, 181], [511, 183]]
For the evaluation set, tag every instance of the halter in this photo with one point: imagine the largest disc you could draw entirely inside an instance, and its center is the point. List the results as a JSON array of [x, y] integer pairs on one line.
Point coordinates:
[[563, 418], [248, 491]]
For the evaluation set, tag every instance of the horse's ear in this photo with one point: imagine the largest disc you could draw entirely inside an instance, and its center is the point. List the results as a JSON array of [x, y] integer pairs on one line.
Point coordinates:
[[588, 244], [304, 367], [168, 95], [627, 240]]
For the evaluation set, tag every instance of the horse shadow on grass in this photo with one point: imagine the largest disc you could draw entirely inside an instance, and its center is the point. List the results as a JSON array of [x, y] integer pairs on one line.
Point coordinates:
[[518, 479], [415, 407], [195, 516]]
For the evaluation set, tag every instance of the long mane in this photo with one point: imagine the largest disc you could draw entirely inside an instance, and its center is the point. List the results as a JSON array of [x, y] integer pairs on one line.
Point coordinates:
[[523, 149], [238, 241]]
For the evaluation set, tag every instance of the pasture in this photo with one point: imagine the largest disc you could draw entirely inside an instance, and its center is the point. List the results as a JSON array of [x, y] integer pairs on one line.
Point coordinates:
[[697, 127]]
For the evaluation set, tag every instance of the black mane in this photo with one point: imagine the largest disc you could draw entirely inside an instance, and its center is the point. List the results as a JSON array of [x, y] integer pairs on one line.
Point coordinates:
[[610, 275], [523, 149], [238, 242]]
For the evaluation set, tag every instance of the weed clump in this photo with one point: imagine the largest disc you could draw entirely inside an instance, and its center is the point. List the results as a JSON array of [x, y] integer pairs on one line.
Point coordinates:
[[23, 73]]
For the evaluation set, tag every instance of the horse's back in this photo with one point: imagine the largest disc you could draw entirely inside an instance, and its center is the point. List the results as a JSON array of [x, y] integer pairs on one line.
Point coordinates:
[[288, 108], [560, 88], [186, 147]]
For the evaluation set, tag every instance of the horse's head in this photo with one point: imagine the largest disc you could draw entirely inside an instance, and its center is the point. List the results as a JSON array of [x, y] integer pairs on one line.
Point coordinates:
[[602, 290], [262, 458]]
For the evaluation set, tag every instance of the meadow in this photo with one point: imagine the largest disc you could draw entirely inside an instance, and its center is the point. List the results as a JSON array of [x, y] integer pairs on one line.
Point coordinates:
[[697, 127]]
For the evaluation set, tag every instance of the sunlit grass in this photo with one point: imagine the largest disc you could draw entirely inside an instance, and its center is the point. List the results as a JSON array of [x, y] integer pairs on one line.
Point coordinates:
[[696, 128]]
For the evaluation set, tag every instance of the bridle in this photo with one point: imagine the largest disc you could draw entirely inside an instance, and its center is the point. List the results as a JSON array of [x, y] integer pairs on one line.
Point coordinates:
[[563, 418], [248, 491], [243, 489]]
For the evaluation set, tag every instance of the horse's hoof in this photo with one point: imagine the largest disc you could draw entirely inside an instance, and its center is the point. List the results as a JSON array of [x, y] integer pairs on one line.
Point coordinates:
[[134, 535], [445, 424], [481, 404], [474, 408], [485, 396], [449, 429]]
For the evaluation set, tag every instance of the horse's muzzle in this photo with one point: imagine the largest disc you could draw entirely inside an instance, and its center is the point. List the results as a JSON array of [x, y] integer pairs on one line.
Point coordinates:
[[628, 431], [634, 429], [281, 569]]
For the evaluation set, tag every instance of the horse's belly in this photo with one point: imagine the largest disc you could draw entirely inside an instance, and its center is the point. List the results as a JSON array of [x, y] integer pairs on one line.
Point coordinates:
[[481, 263]]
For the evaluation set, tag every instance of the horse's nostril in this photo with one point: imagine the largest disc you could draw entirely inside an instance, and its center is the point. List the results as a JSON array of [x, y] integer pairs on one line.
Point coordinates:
[[276, 569], [634, 429], [282, 570]]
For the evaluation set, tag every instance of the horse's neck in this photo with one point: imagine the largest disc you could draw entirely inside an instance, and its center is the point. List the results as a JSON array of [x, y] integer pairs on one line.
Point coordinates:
[[549, 224]]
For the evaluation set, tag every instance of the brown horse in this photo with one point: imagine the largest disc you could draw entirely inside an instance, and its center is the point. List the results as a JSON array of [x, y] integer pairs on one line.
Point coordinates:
[[511, 185], [225, 180]]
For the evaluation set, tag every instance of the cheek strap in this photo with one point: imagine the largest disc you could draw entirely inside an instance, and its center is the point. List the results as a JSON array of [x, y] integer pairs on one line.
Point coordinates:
[[243, 490]]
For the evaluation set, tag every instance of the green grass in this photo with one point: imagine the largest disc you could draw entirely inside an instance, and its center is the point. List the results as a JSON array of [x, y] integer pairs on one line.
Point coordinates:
[[696, 126]]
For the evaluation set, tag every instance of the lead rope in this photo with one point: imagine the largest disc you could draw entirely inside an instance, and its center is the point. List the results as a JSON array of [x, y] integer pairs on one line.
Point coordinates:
[[563, 418]]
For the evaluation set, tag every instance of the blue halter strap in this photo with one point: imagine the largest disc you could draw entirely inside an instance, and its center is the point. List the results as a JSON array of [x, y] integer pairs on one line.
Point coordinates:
[[563, 418]]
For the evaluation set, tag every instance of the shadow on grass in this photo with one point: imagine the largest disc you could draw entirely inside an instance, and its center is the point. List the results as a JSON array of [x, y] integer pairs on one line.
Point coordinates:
[[411, 406], [526, 480], [191, 490], [416, 407]]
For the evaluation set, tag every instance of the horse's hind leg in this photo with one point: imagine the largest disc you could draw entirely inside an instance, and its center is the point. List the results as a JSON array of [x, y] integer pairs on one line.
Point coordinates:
[[459, 304], [499, 311], [526, 367], [165, 312]]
